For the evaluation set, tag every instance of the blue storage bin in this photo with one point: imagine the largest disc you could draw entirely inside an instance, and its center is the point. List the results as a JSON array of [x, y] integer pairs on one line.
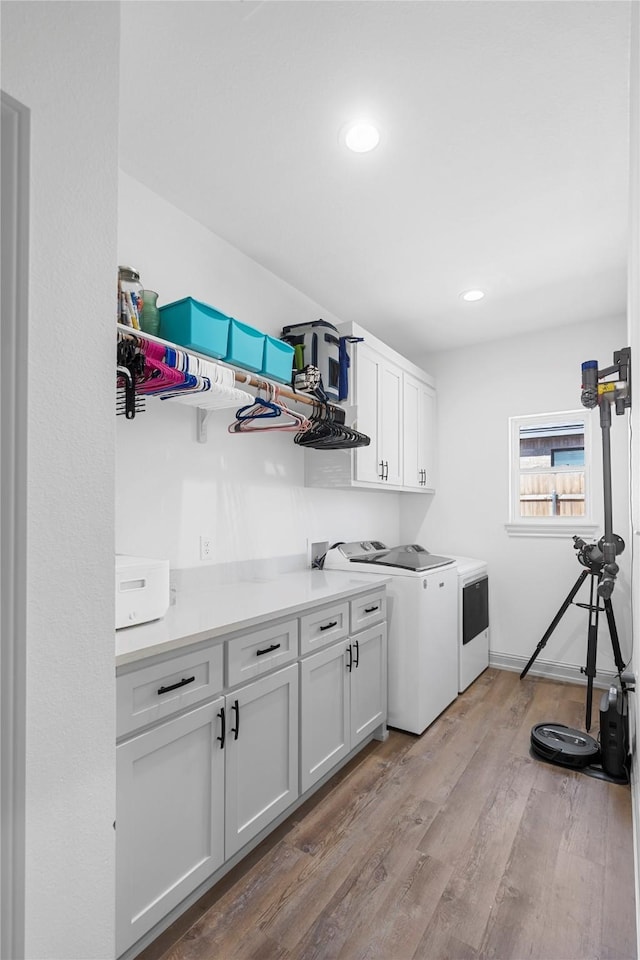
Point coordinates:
[[193, 324], [245, 346], [277, 360]]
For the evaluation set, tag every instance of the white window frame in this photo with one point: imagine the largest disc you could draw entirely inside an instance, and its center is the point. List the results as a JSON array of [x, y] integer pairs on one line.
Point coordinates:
[[549, 526]]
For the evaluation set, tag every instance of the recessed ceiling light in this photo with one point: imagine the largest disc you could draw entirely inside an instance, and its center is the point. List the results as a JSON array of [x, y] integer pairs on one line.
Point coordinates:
[[361, 136], [471, 295]]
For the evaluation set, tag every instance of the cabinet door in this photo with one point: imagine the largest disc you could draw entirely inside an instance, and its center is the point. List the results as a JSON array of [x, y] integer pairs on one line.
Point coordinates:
[[412, 454], [427, 433], [261, 755], [367, 459], [368, 682], [169, 818], [325, 721], [419, 434], [389, 425], [379, 400]]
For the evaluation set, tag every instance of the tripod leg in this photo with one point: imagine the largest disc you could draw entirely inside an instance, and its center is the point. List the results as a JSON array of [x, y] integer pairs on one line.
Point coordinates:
[[613, 632], [556, 620], [592, 648]]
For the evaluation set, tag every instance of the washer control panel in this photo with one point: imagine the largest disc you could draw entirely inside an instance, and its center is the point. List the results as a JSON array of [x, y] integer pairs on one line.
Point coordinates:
[[362, 548]]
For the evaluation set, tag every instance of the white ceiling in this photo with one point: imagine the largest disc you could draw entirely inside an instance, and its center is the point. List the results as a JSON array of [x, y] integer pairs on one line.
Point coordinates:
[[502, 165]]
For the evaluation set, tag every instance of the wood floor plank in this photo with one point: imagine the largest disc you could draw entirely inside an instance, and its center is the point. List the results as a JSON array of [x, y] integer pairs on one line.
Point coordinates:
[[520, 917], [456, 845], [480, 865], [246, 900], [618, 908], [585, 832], [405, 911], [360, 856], [348, 916], [445, 760], [474, 791], [578, 936]]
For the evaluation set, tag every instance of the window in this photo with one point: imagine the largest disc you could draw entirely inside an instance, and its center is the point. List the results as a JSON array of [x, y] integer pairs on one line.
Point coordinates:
[[550, 458]]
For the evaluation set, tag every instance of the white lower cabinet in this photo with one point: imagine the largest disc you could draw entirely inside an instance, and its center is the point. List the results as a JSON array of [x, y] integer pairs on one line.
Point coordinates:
[[170, 817], [344, 699], [197, 783], [368, 677], [325, 724], [261, 755], [194, 790]]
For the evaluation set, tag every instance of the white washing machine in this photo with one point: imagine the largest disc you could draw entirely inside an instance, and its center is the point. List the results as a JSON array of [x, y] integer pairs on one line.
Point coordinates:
[[422, 623], [473, 619]]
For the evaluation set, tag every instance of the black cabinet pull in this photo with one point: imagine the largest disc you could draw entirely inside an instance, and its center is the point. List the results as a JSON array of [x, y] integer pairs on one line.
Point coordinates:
[[274, 646], [223, 732], [350, 663], [357, 661], [381, 474], [370, 609], [386, 470], [327, 626], [236, 730], [174, 686]]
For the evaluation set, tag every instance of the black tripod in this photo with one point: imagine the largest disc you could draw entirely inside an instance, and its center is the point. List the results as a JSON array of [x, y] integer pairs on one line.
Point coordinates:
[[595, 572]]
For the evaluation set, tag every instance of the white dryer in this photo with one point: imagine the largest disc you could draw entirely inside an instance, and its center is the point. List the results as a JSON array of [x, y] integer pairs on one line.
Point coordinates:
[[422, 611], [473, 619]]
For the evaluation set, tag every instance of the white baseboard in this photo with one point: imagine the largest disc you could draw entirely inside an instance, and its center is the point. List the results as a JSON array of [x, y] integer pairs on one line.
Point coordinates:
[[567, 672]]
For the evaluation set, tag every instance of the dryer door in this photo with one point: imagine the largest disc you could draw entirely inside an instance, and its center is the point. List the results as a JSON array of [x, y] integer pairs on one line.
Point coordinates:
[[475, 609]]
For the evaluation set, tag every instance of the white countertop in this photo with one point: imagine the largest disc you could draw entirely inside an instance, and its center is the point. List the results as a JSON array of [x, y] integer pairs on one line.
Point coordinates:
[[224, 608]]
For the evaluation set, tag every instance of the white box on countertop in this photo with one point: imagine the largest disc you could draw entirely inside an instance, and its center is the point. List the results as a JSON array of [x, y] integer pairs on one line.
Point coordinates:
[[142, 590]]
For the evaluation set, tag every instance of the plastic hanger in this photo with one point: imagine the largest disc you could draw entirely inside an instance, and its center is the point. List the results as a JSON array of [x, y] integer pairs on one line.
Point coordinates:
[[251, 419]]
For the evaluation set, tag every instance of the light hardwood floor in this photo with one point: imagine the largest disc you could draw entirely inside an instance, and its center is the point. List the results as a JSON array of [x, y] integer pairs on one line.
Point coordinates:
[[450, 846]]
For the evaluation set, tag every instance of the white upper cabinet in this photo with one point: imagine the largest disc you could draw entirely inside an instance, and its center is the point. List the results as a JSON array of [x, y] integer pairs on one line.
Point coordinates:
[[393, 402], [378, 398], [390, 422], [418, 421]]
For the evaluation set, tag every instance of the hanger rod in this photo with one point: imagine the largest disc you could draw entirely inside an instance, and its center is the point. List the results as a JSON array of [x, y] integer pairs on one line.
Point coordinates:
[[241, 376]]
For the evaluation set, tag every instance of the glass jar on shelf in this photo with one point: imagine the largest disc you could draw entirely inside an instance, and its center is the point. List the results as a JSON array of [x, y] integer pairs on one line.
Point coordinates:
[[150, 319], [130, 298]]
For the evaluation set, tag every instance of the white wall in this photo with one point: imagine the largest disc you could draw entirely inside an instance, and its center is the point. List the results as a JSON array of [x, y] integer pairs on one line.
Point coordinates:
[[61, 60], [245, 492], [633, 325], [479, 388]]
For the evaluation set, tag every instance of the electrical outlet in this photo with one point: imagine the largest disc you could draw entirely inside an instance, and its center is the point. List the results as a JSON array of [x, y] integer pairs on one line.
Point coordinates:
[[206, 548], [316, 550]]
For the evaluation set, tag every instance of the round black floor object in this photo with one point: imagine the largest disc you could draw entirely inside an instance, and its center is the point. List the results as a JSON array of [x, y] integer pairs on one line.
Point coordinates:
[[558, 743]]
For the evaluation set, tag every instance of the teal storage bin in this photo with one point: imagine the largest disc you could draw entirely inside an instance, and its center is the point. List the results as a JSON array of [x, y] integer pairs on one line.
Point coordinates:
[[191, 323], [245, 346], [277, 360]]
